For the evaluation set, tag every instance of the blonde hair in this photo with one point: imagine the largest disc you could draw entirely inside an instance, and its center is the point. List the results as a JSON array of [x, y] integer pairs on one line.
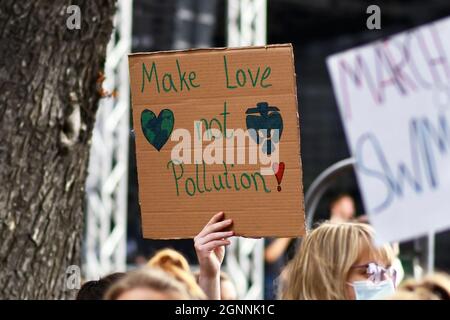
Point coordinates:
[[176, 265], [149, 278], [431, 287], [321, 266]]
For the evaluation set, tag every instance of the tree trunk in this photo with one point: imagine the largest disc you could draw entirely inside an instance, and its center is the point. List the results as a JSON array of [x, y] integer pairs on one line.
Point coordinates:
[[48, 102]]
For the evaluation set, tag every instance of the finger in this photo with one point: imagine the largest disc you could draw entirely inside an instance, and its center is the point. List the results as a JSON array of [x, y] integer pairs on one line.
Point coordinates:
[[210, 246], [218, 226], [217, 217], [215, 236]]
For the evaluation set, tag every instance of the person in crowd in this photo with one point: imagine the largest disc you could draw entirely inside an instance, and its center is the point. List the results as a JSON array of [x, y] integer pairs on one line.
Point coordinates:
[[96, 289], [275, 257], [140, 261], [340, 261], [431, 287], [335, 261], [175, 264], [342, 208], [148, 284], [228, 289], [210, 248]]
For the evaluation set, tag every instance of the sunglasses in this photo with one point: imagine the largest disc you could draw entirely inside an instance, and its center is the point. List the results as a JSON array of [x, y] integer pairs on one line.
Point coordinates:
[[377, 273]]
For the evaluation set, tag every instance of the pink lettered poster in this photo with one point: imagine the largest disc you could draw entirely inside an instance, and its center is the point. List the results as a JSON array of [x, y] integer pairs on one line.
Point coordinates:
[[394, 101]]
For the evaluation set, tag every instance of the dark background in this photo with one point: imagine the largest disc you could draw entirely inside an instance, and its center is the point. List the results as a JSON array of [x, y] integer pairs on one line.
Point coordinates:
[[316, 29]]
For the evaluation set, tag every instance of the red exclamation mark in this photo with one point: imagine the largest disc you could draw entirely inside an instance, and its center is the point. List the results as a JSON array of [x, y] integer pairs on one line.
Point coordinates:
[[278, 168]]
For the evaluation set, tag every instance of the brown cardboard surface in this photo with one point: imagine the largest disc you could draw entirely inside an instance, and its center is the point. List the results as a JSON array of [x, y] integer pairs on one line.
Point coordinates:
[[257, 211]]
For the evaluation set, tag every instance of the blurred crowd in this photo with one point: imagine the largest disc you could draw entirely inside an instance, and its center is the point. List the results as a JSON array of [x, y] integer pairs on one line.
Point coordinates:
[[337, 260]]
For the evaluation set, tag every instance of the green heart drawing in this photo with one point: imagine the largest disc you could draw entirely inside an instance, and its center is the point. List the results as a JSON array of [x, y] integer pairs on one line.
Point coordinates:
[[157, 130]]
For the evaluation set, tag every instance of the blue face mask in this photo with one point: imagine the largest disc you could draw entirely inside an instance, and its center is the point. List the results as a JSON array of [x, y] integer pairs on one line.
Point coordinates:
[[368, 290]]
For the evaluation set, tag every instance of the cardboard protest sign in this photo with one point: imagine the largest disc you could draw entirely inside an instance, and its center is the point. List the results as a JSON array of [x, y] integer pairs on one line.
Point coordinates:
[[394, 100], [217, 130]]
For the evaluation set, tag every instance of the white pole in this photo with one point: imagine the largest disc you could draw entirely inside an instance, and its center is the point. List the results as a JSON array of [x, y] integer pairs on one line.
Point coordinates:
[[246, 25], [430, 266]]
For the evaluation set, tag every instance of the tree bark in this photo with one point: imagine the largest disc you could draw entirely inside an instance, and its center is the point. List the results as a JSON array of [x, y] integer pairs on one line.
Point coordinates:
[[48, 102]]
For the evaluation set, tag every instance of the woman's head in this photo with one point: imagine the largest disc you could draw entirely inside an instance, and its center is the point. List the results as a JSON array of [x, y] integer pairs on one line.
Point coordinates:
[[176, 265], [168, 258], [96, 289], [148, 284], [331, 258]]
